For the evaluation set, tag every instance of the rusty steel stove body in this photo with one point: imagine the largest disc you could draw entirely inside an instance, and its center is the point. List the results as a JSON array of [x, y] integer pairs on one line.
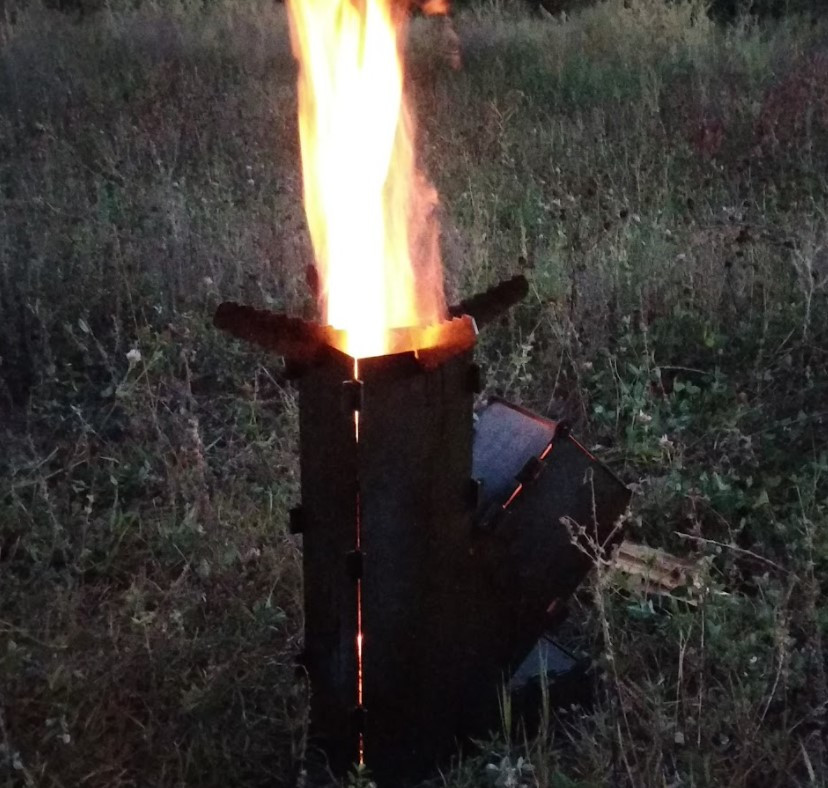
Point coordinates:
[[436, 541]]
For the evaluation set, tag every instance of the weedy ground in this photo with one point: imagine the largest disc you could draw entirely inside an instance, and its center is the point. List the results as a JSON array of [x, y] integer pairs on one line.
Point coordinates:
[[662, 182]]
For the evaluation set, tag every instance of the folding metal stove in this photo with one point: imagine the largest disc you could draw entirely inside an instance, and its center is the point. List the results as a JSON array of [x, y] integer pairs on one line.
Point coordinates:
[[438, 542]]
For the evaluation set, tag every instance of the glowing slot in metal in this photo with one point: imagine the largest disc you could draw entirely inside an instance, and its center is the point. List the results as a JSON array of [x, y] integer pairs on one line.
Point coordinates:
[[359, 637]]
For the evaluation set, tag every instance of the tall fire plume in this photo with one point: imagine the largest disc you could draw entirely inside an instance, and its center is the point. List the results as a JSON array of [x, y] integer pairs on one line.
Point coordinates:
[[371, 212]]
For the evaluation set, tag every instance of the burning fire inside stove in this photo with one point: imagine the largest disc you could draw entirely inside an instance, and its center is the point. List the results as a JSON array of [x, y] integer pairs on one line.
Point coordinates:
[[438, 541], [371, 213]]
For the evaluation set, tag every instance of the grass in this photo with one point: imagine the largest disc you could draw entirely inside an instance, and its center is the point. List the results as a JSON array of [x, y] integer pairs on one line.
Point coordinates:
[[661, 180]]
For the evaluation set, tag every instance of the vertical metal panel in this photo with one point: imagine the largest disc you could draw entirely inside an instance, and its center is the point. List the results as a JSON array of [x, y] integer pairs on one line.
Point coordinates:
[[415, 457], [329, 488]]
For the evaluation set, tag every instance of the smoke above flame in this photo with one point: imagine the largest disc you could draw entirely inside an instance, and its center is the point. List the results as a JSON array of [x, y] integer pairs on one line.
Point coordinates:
[[371, 213]]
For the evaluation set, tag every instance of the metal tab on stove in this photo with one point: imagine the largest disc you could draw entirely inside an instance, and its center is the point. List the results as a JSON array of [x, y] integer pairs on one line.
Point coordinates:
[[353, 564], [296, 520], [351, 395]]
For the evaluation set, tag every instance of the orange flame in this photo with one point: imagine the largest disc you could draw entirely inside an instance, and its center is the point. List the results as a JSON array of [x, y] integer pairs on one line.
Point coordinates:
[[371, 214], [435, 7]]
